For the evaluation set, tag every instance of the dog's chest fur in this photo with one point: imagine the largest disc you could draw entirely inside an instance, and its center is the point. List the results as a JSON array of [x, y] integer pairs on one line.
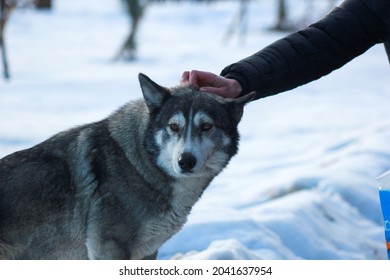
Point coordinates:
[[159, 228]]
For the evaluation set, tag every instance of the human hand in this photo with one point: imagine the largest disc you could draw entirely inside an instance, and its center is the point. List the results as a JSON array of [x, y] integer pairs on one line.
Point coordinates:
[[210, 82]]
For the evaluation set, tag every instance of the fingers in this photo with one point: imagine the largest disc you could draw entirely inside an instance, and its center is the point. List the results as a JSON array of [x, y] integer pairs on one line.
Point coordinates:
[[185, 77], [221, 91], [212, 83], [198, 78], [210, 90], [193, 77]]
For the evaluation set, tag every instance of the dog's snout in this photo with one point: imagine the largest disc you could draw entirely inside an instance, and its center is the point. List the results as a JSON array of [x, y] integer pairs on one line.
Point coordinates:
[[187, 161]]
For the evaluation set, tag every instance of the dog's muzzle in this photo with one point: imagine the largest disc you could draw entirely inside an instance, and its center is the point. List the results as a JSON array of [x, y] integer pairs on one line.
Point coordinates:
[[187, 162]]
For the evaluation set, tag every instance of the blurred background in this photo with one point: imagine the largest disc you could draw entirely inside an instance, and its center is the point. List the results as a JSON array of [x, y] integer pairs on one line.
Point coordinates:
[[286, 16]]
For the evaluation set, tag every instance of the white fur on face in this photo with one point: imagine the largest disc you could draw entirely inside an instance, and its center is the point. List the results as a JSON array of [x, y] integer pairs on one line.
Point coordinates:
[[205, 146]]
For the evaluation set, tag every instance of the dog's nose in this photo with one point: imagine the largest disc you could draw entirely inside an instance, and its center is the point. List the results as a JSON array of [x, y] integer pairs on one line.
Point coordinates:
[[187, 161]]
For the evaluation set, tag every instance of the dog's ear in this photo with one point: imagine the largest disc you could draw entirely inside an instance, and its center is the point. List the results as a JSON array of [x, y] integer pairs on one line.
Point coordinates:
[[239, 103], [154, 94]]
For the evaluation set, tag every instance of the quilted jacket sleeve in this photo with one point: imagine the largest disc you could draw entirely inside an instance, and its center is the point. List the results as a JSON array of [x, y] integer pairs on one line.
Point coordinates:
[[345, 33]]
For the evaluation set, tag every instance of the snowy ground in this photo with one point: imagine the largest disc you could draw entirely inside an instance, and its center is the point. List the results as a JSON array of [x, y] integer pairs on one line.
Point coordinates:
[[303, 184]]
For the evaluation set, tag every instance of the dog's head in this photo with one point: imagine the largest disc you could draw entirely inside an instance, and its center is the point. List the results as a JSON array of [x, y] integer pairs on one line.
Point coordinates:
[[191, 133]]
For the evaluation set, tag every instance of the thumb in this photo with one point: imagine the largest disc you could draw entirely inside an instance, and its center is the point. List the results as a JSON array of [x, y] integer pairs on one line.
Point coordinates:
[[214, 90]]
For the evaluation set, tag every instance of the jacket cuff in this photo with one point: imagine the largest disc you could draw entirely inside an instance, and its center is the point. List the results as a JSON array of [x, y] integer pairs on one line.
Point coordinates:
[[245, 85]]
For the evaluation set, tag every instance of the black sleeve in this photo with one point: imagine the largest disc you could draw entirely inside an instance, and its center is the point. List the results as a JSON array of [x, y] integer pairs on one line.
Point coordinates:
[[345, 33]]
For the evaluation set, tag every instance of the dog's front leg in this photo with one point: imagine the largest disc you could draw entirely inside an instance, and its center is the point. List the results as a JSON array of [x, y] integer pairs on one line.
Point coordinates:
[[151, 257], [107, 249]]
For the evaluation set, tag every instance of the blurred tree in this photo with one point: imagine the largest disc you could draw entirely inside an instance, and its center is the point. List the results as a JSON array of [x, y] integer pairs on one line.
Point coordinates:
[[5, 10], [6, 7], [43, 4], [239, 22], [281, 19], [135, 10], [282, 23]]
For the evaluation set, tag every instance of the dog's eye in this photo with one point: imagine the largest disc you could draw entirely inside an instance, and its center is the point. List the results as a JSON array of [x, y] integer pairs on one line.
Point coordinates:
[[174, 127], [206, 126]]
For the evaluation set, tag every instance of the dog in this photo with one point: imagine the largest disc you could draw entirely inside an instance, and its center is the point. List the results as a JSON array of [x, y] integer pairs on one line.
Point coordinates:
[[120, 187]]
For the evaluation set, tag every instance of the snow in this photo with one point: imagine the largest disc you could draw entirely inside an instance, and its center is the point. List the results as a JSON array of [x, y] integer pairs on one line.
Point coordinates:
[[303, 185]]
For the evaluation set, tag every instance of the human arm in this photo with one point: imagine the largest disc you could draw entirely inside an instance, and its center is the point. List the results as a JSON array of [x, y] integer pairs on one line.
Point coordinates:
[[306, 55]]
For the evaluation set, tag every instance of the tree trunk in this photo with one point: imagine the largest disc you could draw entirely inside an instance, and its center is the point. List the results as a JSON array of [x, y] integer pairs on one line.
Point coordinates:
[[128, 50], [282, 16], [5, 10], [43, 4], [239, 22]]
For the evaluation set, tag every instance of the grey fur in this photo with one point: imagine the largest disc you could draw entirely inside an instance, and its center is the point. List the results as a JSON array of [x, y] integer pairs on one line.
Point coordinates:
[[104, 190]]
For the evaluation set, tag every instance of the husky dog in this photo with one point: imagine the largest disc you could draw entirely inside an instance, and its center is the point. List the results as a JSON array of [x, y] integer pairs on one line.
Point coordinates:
[[120, 187]]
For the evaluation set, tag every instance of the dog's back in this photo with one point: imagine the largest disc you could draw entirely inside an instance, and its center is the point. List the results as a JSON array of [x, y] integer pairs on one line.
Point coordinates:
[[45, 193], [37, 190]]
